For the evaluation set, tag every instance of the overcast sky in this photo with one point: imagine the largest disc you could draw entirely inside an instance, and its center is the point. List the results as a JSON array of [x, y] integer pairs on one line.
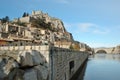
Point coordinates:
[[95, 22]]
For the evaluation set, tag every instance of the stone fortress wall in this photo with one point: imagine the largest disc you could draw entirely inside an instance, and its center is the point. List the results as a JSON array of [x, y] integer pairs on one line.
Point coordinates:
[[62, 63], [65, 63]]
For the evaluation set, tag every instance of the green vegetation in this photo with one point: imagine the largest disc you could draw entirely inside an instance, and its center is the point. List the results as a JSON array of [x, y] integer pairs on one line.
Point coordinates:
[[40, 23], [5, 19], [20, 23], [25, 14], [71, 47], [75, 47]]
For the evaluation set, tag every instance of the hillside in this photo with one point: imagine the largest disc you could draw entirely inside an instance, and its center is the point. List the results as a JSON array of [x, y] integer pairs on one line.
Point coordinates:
[[38, 28]]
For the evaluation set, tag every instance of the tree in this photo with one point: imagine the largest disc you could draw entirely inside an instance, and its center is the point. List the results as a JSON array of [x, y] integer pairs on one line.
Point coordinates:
[[24, 14], [27, 14], [71, 47], [75, 47], [5, 19]]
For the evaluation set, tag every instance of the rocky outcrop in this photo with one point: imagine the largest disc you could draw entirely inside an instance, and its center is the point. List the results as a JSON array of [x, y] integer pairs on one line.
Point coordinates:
[[29, 65]]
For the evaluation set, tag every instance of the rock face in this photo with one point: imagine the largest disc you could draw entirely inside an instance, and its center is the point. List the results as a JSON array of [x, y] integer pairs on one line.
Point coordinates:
[[29, 65], [25, 59]]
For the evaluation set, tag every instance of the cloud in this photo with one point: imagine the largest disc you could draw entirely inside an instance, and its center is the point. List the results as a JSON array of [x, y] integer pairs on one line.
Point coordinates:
[[88, 28], [101, 32], [85, 27], [95, 35], [101, 44]]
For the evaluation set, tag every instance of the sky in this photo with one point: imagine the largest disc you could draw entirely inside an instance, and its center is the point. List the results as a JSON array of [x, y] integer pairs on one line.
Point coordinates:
[[94, 22]]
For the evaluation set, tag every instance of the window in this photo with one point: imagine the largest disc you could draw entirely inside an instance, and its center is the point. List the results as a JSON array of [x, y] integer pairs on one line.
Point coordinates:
[[71, 64], [15, 44], [71, 67], [21, 44]]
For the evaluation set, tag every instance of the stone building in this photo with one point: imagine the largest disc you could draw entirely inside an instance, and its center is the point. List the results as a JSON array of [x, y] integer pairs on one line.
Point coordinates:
[[22, 32]]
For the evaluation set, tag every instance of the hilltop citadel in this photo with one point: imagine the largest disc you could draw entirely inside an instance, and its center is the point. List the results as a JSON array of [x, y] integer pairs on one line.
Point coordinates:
[[38, 29]]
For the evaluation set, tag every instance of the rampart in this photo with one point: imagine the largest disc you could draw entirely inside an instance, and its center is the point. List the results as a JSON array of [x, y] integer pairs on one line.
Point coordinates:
[[62, 63]]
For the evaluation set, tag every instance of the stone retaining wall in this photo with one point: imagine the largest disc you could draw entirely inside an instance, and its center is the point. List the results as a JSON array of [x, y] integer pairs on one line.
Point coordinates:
[[62, 63], [65, 63]]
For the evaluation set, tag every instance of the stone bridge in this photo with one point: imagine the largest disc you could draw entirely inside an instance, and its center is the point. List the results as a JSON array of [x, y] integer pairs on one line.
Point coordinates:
[[103, 50], [107, 50]]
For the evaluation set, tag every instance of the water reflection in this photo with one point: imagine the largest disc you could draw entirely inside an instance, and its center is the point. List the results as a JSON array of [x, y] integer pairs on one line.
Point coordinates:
[[81, 76], [102, 67], [107, 56]]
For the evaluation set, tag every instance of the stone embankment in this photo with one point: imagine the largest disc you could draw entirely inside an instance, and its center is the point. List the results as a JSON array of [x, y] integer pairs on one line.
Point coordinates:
[[43, 63]]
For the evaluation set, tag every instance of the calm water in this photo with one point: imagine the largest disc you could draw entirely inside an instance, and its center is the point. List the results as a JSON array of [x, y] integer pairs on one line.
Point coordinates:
[[102, 67]]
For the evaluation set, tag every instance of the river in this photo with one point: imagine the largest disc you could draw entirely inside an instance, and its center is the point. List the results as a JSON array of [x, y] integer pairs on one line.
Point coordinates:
[[102, 67]]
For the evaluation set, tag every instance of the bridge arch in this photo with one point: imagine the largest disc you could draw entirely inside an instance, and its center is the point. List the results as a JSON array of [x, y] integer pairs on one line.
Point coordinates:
[[101, 51]]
